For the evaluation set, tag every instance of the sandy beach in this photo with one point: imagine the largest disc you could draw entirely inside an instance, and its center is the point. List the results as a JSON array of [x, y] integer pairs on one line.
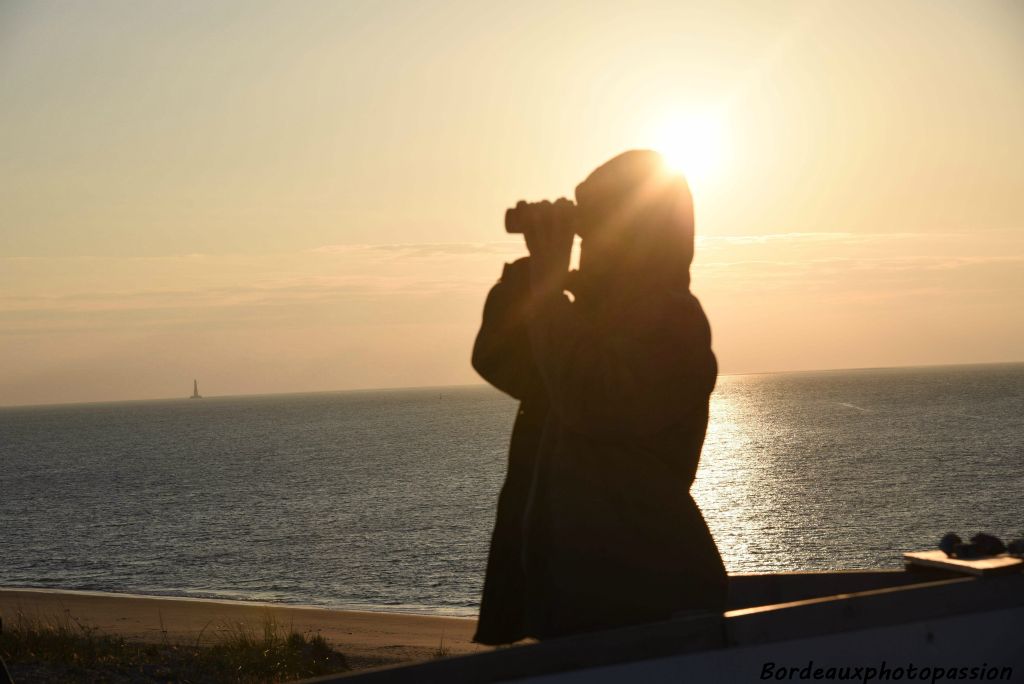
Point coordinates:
[[367, 639]]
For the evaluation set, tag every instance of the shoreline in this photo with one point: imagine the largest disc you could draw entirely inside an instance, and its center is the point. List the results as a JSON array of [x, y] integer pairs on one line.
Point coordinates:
[[372, 610], [366, 638]]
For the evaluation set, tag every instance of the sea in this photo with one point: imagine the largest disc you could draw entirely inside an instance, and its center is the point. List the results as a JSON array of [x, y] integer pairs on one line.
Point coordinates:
[[385, 500]]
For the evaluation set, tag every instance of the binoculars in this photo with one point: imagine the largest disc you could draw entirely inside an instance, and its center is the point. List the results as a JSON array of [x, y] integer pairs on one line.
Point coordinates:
[[530, 214]]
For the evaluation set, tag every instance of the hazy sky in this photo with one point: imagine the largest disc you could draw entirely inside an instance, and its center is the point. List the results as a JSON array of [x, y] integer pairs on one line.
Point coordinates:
[[296, 196]]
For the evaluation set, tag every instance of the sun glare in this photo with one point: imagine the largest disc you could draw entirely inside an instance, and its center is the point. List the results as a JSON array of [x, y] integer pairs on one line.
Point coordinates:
[[693, 146]]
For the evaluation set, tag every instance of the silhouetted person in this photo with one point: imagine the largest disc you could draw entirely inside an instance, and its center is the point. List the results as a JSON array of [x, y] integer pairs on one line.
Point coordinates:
[[596, 527]]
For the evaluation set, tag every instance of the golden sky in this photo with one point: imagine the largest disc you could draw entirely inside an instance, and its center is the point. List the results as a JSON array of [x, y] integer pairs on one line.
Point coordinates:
[[278, 196]]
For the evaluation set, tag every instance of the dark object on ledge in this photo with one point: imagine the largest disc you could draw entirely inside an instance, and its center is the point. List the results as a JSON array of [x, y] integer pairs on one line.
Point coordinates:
[[988, 545], [949, 542], [1016, 547], [981, 545]]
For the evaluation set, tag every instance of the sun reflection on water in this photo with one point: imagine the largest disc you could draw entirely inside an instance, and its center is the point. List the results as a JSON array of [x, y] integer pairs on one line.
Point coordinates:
[[757, 502], [726, 480]]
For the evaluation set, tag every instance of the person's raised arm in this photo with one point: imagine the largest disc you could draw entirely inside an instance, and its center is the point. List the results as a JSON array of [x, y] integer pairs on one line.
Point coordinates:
[[502, 354]]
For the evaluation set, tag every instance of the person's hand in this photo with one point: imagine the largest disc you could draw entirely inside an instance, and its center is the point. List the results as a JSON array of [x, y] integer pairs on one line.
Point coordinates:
[[549, 230]]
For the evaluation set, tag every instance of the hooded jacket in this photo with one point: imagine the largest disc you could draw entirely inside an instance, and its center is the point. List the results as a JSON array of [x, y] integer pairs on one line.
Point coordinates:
[[596, 527]]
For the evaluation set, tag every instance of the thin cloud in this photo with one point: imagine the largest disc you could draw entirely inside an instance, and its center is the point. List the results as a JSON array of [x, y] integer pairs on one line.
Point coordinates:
[[342, 279], [426, 249]]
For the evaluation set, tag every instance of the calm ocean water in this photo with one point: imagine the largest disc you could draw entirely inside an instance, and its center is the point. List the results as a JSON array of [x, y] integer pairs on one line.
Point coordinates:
[[385, 499]]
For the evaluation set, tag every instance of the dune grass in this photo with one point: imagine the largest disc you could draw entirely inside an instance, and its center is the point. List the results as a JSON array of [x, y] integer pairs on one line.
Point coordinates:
[[63, 648]]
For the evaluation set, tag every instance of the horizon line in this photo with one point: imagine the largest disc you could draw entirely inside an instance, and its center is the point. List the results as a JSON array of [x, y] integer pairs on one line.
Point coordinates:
[[484, 384]]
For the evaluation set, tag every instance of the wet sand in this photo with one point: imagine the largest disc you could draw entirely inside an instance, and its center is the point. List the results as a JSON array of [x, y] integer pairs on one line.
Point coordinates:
[[367, 639]]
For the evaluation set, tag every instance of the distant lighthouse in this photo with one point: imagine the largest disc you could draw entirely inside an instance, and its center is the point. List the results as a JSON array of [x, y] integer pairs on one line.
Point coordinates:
[[195, 390]]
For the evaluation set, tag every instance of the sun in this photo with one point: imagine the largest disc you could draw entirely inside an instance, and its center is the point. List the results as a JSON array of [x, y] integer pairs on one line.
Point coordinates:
[[694, 146]]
